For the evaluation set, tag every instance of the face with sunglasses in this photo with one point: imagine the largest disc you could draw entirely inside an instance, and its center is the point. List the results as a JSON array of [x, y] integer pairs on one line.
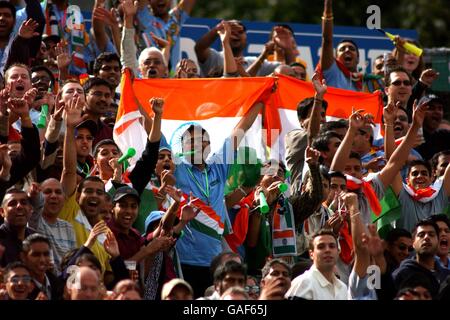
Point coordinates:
[[18, 284], [401, 249], [400, 87]]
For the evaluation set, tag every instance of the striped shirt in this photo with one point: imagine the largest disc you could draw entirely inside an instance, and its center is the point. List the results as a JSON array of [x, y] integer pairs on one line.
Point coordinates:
[[61, 236]]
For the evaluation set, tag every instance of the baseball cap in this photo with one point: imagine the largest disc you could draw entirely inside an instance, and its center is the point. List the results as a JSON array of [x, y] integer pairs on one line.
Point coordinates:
[[152, 217], [125, 191], [431, 97], [169, 286], [90, 125]]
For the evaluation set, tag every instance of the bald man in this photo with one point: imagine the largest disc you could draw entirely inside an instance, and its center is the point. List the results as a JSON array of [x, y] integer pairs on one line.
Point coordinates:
[[45, 219], [84, 284], [285, 70]]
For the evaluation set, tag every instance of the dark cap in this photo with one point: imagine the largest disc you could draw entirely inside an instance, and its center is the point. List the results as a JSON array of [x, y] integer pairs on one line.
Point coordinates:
[[431, 97], [125, 191], [52, 38], [90, 125]]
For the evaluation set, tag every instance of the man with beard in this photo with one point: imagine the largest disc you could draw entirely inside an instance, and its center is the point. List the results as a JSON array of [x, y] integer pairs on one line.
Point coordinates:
[[99, 94], [209, 59], [443, 223], [151, 63], [320, 282], [423, 265], [60, 233]]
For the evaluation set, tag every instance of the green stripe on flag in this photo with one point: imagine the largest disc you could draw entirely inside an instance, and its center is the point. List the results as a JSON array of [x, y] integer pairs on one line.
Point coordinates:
[[200, 227], [284, 249], [391, 211]]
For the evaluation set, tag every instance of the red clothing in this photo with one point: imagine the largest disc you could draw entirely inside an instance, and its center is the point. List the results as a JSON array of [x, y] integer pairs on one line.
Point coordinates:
[[129, 244], [104, 132]]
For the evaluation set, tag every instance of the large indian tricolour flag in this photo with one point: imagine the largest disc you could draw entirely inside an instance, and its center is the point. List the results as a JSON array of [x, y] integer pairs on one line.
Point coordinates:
[[219, 104]]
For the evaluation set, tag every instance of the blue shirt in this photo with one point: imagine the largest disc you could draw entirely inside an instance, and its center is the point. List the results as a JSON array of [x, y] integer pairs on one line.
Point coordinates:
[[170, 30], [335, 78], [199, 246]]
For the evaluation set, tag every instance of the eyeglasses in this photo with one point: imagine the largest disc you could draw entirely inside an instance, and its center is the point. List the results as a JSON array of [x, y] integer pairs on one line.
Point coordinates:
[[397, 83], [41, 79], [17, 279], [403, 247], [254, 289]]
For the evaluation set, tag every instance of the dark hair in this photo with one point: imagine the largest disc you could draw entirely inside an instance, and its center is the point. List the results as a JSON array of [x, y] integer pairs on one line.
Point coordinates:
[[322, 232], [239, 23], [300, 267], [282, 25], [265, 270], [435, 159], [354, 155], [229, 267], [322, 141], [91, 258], [298, 64], [104, 142], [333, 125], [440, 218], [193, 128], [426, 222], [419, 162], [90, 178], [45, 69], [61, 87], [324, 173], [305, 105], [14, 190], [397, 233], [10, 6], [94, 82], [217, 260], [337, 174], [387, 79], [34, 238], [350, 41], [105, 57], [13, 265]]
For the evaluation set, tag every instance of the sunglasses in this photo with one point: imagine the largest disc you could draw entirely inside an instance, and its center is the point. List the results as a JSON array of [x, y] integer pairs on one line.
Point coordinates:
[[397, 83]]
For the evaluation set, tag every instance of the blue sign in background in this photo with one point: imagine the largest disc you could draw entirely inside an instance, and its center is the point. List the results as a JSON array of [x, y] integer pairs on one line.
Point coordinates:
[[371, 43]]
